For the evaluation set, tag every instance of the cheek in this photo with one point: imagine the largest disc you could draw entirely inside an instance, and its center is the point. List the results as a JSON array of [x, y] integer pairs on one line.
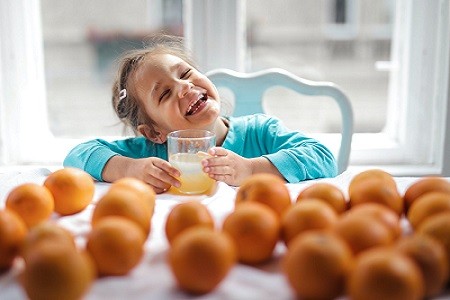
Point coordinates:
[[203, 82]]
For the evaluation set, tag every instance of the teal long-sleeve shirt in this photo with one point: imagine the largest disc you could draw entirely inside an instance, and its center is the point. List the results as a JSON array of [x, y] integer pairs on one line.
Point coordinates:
[[296, 156]]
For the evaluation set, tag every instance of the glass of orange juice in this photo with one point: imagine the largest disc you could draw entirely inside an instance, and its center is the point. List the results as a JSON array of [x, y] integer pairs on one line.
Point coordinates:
[[186, 149]]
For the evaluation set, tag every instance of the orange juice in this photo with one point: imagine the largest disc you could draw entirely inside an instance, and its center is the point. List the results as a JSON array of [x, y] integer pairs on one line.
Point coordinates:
[[193, 179]]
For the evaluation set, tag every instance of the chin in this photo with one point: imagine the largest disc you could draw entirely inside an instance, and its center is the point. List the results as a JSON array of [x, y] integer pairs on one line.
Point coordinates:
[[215, 106]]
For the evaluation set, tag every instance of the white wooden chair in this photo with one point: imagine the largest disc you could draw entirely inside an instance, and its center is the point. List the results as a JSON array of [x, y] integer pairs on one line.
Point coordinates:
[[249, 90]]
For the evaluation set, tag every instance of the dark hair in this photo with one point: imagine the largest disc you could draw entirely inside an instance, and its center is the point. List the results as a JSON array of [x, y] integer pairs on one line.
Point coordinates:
[[129, 109]]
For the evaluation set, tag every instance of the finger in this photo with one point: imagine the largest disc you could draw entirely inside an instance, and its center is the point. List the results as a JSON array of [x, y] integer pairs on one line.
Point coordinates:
[[218, 151], [165, 174], [220, 177], [217, 170], [162, 179], [216, 161], [159, 191], [167, 167], [157, 183]]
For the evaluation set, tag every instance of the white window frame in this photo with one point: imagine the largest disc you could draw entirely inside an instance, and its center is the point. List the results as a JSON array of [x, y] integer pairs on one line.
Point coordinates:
[[413, 143]]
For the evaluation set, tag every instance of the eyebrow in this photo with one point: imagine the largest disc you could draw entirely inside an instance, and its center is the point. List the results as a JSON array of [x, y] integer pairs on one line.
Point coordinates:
[[176, 66]]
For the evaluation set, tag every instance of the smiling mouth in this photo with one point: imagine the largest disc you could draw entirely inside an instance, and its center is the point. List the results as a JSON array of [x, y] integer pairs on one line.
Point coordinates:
[[192, 109]]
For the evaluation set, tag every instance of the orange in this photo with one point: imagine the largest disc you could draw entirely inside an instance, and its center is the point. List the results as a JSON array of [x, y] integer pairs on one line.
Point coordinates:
[[387, 178], [382, 213], [31, 201], [57, 271], [185, 215], [422, 186], [116, 245], [438, 227], [144, 190], [376, 190], [327, 192], [362, 233], [200, 258], [385, 274], [427, 205], [12, 234], [125, 203], [306, 215], [431, 258], [254, 227], [72, 190], [317, 265], [47, 232], [267, 189]]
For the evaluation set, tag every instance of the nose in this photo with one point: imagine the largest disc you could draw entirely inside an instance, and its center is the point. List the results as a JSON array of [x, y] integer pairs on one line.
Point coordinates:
[[184, 88]]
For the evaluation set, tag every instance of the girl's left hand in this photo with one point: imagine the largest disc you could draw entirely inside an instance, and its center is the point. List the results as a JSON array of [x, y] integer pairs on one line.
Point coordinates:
[[227, 166]]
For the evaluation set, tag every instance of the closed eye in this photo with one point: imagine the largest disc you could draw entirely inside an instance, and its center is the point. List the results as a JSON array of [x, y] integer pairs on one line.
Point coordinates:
[[166, 92], [186, 74]]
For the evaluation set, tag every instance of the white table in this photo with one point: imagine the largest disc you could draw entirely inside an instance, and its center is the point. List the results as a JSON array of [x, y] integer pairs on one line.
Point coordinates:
[[152, 279]]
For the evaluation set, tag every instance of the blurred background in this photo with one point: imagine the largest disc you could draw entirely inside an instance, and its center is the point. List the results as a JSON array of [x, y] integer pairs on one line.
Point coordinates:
[[344, 41]]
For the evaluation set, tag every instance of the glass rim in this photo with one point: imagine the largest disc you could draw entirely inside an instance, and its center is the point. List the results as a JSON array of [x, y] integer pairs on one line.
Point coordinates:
[[205, 134]]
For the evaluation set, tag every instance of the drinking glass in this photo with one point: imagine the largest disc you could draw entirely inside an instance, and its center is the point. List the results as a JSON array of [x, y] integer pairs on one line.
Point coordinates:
[[186, 149]]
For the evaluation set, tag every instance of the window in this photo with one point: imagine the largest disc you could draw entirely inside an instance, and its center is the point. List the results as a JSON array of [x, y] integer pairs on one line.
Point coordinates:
[[411, 138], [410, 141], [336, 41], [82, 41]]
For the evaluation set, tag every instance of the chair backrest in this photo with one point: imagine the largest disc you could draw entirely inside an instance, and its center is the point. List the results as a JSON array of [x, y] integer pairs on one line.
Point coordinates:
[[249, 89]]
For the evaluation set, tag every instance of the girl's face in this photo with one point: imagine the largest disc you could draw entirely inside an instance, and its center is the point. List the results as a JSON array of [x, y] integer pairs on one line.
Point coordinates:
[[175, 95]]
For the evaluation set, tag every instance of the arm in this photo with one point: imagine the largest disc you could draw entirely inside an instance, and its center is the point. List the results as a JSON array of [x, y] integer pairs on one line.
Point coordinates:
[[297, 156], [109, 161]]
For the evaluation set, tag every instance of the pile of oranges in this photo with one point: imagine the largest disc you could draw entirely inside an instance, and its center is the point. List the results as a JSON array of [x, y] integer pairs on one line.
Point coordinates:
[[55, 265], [368, 243], [365, 250], [373, 244], [27, 231]]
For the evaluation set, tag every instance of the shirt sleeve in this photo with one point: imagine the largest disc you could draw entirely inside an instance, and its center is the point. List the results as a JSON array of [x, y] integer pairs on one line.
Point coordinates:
[[92, 156], [296, 156]]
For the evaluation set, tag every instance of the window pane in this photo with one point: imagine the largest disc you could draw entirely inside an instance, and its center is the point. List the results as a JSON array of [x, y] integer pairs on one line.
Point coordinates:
[[344, 41], [82, 40]]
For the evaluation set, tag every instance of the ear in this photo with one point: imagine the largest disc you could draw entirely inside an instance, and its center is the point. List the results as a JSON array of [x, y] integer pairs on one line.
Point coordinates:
[[151, 134]]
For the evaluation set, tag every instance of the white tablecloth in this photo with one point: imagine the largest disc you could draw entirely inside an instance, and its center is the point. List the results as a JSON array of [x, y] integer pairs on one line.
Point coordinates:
[[152, 279]]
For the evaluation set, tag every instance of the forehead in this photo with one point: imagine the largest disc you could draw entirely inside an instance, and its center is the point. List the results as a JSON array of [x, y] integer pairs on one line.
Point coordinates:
[[161, 63]]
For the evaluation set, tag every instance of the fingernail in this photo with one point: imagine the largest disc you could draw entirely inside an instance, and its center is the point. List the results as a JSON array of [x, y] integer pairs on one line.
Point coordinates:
[[206, 169]]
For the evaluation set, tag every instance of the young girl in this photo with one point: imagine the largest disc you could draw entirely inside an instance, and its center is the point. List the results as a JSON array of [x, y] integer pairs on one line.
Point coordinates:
[[159, 90]]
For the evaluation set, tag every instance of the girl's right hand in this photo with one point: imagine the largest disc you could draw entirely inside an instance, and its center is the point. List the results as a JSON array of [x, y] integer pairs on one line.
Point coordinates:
[[158, 173]]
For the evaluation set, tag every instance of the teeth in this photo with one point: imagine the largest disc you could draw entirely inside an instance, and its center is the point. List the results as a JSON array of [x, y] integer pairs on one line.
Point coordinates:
[[190, 107], [195, 110], [203, 97]]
